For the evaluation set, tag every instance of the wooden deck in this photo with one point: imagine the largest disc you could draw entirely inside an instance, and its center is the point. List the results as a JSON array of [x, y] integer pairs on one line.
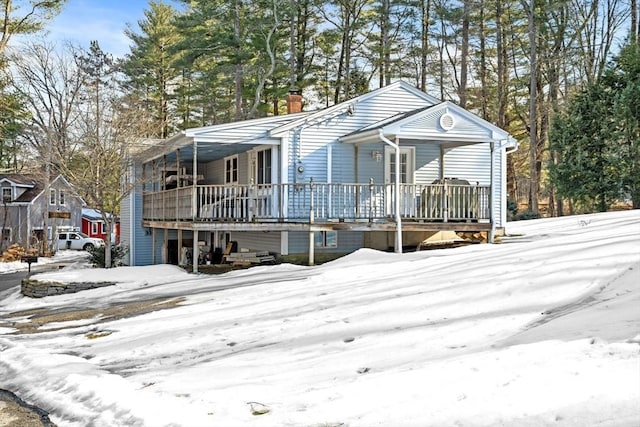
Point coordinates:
[[319, 206]]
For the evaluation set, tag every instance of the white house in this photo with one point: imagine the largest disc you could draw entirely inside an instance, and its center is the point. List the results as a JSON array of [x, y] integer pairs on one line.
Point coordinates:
[[384, 170]]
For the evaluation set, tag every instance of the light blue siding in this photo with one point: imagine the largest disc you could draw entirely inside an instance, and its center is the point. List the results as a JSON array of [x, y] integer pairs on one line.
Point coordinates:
[[140, 251], [368, 167], [257, 240], [427, 163], [470, 162], [312, 153], [348, 241]]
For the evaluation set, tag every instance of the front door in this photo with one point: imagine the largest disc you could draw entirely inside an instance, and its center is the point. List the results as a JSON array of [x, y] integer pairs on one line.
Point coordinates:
[[407, 169], [407, 165], [261, 175]]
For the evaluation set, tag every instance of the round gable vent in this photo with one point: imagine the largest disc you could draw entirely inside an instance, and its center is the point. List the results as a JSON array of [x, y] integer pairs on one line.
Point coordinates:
[[447, 121]]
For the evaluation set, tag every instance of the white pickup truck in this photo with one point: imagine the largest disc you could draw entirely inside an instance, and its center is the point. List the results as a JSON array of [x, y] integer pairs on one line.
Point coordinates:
[[78, 241]]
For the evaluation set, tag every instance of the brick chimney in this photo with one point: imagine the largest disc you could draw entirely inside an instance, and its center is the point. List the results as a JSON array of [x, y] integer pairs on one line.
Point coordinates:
[[294, 102]]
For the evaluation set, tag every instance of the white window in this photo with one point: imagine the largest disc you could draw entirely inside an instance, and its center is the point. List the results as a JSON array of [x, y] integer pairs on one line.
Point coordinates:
[[52, 196], [61, 197], [326, 239], [6, 235], [263, 167], [7, 195], [231, 170], [103, 227], [94, 228]]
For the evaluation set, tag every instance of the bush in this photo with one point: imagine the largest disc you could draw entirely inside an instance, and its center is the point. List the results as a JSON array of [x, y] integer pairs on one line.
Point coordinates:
[[512, 209], [528, 214], [118, 252]]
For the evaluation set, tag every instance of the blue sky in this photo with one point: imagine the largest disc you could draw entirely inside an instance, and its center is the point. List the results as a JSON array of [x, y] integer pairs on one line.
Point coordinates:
[[103, 20]]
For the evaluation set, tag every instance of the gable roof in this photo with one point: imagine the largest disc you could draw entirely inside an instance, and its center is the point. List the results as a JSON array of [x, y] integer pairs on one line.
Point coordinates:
[[31, 194], [231, 138], [34, 186], [20, 180], [93, 214], [444, 122], [346, 105]]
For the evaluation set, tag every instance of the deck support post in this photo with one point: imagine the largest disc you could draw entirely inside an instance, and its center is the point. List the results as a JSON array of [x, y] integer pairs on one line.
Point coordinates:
[[179, 246], [311, 220], [178, 182], [371, 189], [492, 219], [165, 246], [195, 255], [153, 246], [194, 191]]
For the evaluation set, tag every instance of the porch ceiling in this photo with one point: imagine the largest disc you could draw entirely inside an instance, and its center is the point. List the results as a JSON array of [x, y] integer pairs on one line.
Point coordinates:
[[210, 152]]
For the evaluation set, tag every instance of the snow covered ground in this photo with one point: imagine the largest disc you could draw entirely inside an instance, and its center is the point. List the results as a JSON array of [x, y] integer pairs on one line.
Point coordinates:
[[60, 256], [543, 329]]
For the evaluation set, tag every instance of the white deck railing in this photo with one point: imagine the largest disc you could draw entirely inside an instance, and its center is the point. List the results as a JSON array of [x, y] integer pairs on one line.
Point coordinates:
[[318, 201]]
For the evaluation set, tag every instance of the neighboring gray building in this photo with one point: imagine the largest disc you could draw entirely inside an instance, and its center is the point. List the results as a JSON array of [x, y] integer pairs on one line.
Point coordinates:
[[25, 209], [386, 169]]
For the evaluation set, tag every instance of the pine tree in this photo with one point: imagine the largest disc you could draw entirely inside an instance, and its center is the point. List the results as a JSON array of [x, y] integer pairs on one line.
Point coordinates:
[[150, 70]]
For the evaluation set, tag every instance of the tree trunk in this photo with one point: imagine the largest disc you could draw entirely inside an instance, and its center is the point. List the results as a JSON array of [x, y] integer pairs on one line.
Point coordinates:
[[292, 47], [424, 51], [107, 242], [462, 90], [386, 53], [238, 61], [483, 66], [502, 53], [533, 116]]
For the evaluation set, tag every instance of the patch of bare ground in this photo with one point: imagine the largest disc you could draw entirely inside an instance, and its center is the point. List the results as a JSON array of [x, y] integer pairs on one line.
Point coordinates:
[[41, 317], [14, 415], [15, 412]]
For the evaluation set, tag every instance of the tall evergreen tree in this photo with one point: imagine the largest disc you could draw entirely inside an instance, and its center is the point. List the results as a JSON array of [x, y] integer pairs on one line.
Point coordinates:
[[588, 169], [149, 67], [25, 17], [626, 74]]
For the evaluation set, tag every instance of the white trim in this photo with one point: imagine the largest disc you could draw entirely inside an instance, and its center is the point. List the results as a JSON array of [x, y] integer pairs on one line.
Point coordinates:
[[11, 193], [330, 164], [284, 172], [397, 129], [255, 164], [447, 121], [275, 165], [411, 163], [228, 178], [10, 237], [323, 237], [503, 188], [398, 218]]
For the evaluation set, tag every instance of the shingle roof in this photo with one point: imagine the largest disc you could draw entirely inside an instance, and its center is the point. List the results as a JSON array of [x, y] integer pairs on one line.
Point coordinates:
[[21, 179], [33, 185], [31, 193]]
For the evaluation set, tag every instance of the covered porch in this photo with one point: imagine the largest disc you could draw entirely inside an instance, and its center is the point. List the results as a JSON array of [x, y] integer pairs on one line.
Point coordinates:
[[320, 202]]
